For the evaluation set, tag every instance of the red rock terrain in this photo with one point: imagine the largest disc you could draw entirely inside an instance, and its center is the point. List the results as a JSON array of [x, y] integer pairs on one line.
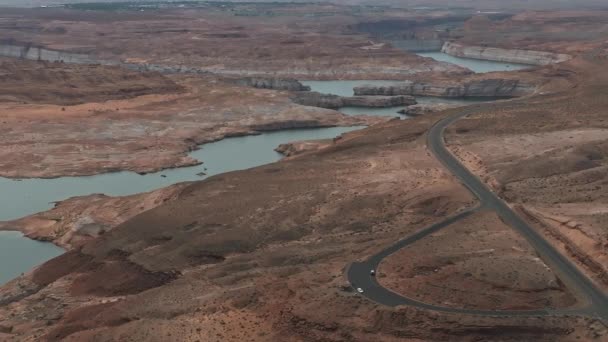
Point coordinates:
[[120, 120], [56, 83], [244, 39], [478, 263], [248, 256], [261, 254], [549, 157]]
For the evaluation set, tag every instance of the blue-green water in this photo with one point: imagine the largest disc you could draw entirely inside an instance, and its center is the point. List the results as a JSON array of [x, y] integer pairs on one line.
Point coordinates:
[[28, 196], [475, 65], [19, 254], [24, 197]]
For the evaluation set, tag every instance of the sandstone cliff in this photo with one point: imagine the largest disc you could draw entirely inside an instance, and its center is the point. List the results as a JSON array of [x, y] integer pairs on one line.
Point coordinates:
[[42, 54], [299, 147], [474, 88], [315, 99], [504, 55], [421, 109], [272, 83], [348, 67]]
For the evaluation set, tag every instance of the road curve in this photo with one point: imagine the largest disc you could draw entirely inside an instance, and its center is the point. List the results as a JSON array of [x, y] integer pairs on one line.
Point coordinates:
[[358, 273]]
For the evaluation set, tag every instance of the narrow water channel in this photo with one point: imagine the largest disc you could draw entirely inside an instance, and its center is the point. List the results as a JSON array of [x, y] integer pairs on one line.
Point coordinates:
[[28, 196], [345, 87], [19, 254], [475, 65]]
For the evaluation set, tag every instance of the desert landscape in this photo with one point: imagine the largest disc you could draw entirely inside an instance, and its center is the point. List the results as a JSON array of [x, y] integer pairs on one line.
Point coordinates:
[[239, 171]]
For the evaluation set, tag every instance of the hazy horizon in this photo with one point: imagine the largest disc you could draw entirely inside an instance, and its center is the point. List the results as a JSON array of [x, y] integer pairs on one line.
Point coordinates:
[[496, 4]]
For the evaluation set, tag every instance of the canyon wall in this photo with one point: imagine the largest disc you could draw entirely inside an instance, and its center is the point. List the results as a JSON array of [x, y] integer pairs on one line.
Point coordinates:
[[418, 45], [255, 69], [504, 55], [315, 99], [272, 83], [41, 54], [476, 88]]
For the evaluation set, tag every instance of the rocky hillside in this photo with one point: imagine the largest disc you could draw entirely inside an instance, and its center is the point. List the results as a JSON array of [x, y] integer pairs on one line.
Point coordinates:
[[63, 84], [315, 99], [264, 251], [504, 55], [477, 88]]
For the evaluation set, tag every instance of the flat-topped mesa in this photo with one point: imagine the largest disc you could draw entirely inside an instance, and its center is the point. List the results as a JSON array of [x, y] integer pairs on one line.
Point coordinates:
[[531, 57], [476, 88], [273, 83], [315, 99]]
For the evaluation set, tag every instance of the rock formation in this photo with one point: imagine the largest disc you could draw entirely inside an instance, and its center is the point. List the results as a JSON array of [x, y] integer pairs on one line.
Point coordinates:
[[473, 88], [504, 55], [315, 99], [299, 147], [272, 83], [42, 54], [421, 109]]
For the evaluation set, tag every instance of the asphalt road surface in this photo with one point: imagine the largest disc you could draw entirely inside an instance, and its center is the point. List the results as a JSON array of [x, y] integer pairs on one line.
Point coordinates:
[[359, 272]]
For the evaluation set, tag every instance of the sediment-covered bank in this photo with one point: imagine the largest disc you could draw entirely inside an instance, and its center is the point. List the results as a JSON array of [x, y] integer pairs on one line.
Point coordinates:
[[504, 55]]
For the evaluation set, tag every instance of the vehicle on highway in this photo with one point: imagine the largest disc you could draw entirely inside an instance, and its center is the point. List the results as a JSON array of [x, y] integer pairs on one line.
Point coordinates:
[[360, 290], [372, 272]]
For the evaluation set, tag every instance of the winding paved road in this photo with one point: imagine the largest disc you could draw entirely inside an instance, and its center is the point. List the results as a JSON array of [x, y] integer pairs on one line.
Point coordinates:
[[359, 272]]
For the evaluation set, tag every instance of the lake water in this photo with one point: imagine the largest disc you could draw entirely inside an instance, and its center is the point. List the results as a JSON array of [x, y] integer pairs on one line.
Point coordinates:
[[19, 254], [476, 65], [28, 196]]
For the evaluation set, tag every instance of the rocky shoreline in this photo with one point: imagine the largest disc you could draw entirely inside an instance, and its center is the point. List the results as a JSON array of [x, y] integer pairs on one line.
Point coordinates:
[[474, 88], [315, 99], [256, 75], [77, 220], [289, 84], [504, 55], [295, 148]]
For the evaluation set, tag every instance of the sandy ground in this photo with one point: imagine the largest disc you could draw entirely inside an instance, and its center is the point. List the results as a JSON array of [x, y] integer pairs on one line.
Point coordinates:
[[248, 256], [477, 263], [260, 254]]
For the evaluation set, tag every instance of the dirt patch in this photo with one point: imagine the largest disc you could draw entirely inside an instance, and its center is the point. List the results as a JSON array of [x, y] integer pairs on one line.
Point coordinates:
[[477, 263]]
